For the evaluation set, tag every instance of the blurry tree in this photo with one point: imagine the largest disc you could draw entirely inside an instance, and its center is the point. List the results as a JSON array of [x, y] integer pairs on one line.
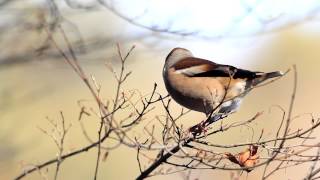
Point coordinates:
[[210, 20]]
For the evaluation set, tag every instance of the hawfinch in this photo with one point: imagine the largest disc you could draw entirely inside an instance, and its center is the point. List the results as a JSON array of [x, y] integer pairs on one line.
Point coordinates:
[[205, 86]]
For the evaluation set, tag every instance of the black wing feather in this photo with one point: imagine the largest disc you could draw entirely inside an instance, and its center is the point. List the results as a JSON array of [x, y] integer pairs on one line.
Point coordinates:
[[228, 71]]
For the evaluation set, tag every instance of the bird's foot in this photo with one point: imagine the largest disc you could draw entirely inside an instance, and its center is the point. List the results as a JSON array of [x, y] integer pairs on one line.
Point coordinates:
[[203, 127], [199, 129]]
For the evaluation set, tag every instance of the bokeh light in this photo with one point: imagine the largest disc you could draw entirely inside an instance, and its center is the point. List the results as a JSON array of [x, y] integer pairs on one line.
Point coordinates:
[[214, 18]]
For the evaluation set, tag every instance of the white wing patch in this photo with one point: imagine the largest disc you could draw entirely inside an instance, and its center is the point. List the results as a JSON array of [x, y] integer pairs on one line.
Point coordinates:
[[191, 70]]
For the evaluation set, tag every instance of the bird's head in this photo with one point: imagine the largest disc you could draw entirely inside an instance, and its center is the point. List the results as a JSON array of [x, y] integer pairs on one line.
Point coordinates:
[[176, 55]]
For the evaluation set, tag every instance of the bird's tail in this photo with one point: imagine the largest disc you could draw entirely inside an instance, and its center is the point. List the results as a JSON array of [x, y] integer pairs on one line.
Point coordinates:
[[265, 76]]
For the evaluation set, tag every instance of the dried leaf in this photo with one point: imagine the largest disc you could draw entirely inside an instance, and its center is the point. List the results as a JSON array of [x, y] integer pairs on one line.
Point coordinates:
[[248, 158], [232, 158]]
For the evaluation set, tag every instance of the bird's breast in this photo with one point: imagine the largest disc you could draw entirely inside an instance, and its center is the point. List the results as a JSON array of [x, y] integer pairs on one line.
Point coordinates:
[[196, 93]]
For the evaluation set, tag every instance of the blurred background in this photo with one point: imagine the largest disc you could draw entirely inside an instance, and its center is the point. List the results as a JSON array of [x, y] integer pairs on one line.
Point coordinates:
[[35, 82]]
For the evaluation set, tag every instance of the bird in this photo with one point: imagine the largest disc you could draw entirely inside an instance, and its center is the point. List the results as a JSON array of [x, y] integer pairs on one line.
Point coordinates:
[[205, 86]]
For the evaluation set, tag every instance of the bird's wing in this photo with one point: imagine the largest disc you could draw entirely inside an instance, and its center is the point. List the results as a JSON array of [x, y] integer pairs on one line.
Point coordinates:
[[196, 67]]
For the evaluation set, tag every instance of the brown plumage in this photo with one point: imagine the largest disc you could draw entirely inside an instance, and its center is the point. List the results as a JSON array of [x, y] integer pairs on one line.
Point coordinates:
[[201, 85]]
